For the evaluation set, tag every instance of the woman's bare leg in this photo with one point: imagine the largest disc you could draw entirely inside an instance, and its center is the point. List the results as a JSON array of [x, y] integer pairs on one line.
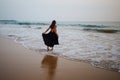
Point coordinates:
[[47, 48], [51, 48]]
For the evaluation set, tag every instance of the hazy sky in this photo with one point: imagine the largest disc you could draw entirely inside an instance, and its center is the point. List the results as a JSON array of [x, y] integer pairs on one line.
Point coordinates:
[[60, 10]]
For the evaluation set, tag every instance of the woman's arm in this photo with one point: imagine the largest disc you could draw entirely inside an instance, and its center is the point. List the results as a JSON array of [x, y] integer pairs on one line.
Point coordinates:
[[46, 30]]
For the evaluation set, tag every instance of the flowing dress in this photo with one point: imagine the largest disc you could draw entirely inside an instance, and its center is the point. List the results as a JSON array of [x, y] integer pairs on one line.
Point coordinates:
[[50, 39]]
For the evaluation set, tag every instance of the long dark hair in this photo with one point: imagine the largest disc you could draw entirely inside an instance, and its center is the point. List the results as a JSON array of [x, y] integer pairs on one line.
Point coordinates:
[[52, 24]]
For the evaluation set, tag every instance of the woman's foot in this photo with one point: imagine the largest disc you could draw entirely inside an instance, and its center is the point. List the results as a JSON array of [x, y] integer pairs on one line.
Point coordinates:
[[48, 48], [51, 49]]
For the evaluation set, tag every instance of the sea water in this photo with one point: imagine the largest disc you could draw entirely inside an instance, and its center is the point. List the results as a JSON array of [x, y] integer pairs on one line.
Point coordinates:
[[97, 43]]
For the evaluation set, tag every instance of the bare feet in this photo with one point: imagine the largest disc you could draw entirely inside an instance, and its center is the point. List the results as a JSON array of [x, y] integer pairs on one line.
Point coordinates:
[[48, 49], [51, 49]]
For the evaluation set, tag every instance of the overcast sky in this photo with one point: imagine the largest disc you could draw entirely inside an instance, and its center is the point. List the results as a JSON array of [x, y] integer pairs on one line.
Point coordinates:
[[60, 10]]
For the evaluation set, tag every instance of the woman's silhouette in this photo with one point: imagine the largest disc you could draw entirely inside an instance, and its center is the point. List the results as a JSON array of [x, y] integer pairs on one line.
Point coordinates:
[[51, 38]]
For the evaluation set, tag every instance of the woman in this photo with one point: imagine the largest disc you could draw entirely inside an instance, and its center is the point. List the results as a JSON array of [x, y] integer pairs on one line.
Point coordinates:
[[51, 38]]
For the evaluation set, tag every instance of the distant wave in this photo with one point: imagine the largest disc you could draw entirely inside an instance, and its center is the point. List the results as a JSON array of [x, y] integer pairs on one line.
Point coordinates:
[[97, 26], [21, 23], [102, 30], [83, 25], [8, 21], [63, 24], [28, 23]]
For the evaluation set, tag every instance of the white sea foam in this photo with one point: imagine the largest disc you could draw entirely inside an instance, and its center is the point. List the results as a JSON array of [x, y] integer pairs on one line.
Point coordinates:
[[100, 49]]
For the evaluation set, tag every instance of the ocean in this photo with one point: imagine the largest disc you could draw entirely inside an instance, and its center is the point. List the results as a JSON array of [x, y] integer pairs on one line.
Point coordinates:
[[96, 43]]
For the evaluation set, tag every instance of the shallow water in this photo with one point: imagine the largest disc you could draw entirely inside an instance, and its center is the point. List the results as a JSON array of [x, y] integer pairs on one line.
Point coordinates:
[[101, 49]]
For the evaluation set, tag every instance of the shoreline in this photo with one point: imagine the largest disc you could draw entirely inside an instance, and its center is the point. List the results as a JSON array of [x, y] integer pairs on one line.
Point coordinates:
[[61, 56], [19, 63]]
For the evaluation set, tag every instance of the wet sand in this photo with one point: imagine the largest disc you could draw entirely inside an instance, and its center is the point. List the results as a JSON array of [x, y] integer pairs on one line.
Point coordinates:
[[19, 63]]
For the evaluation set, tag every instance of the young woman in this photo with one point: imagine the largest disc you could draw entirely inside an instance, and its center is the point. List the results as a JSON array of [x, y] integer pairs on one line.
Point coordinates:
[[50, 39]]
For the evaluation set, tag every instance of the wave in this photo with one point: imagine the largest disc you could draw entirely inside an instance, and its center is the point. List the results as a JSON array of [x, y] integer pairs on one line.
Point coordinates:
[[47, 23], [102, 30], [22, 23], [97, 26], [84, 25]]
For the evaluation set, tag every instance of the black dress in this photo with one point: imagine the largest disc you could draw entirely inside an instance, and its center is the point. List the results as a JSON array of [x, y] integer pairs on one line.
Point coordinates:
[[50, 39]]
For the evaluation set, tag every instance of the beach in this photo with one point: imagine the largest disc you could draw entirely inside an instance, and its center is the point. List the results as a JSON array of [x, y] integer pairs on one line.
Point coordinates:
[[20, 63]]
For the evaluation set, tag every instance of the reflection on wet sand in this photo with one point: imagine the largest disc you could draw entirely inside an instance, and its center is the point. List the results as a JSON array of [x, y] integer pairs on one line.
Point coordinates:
[[49, 63]]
